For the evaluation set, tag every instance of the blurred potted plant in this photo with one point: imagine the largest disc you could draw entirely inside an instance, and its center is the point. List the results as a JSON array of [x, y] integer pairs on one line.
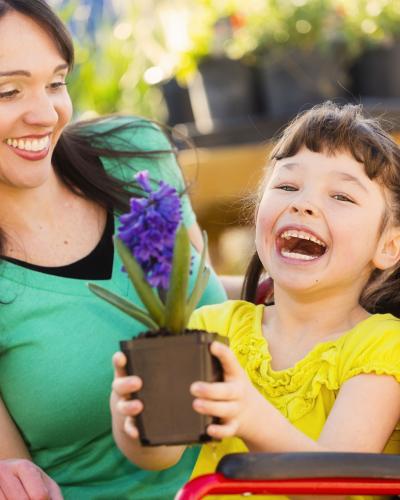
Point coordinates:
[[302, 52], [155, 249], [220, 85], [377, 27]]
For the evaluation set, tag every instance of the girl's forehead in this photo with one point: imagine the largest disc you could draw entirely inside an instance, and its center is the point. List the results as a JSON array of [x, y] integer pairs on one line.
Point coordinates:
[[322, 162]]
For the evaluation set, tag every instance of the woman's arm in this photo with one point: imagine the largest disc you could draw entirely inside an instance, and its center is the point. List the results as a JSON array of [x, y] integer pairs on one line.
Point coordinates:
[[19, 476], [232, 284], [123, 411]]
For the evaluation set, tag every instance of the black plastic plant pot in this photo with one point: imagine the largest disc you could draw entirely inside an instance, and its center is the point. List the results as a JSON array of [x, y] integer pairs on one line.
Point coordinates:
[[168, 365]]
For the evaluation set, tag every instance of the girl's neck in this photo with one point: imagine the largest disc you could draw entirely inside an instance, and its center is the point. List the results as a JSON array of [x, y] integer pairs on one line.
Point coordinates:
[[319, 318]]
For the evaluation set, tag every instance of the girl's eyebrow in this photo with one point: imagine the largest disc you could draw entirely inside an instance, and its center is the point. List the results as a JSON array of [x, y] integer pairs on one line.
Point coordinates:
[[342, 175], [350, 178], [21, 72]]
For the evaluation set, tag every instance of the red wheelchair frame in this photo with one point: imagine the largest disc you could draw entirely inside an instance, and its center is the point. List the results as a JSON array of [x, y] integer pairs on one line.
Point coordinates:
[[298, 474]]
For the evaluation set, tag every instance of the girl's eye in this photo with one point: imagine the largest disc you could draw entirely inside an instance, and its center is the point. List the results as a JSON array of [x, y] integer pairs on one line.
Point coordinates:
[[286, 187], [8, 94], [342, 197]]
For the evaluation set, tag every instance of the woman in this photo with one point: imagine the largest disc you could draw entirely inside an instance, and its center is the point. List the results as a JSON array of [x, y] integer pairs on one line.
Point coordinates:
[[60, 189]]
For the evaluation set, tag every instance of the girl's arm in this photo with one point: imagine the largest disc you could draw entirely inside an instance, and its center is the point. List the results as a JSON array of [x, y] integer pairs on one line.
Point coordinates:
[[364, 415], [19, 476], [123, 411]]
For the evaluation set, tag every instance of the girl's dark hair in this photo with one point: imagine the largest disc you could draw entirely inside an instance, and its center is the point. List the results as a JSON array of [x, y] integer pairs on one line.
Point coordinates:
[[76, 157], [331, 128]]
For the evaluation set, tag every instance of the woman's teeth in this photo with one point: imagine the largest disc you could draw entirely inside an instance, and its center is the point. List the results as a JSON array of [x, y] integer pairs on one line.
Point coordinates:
[[30, 144]]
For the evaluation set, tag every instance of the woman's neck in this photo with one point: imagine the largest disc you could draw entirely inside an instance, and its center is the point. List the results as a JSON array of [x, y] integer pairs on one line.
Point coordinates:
[[24, 210]]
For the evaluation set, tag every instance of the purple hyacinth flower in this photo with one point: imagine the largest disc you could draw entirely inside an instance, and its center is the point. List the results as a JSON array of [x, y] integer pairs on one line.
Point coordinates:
[[149, 229]]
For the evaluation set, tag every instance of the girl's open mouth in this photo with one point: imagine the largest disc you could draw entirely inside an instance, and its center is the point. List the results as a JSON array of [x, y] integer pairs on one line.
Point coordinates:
[[300, 245]]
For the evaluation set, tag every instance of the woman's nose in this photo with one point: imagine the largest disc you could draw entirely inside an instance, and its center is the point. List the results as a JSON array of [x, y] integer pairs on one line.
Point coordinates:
[[41, 112]]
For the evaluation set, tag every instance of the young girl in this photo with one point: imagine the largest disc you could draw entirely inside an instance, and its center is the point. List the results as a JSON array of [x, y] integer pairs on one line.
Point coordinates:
[[317, 369]]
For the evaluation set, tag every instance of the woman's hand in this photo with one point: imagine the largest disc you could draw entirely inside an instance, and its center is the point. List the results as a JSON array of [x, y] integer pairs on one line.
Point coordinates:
[[124, 409], [235, 401], [21, 479]]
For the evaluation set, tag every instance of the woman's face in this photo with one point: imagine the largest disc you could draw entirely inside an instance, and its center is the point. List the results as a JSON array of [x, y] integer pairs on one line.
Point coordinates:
[[34, 103]]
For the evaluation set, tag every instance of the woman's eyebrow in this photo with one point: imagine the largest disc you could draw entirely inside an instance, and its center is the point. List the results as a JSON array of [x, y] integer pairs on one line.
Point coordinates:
[[21, 72]]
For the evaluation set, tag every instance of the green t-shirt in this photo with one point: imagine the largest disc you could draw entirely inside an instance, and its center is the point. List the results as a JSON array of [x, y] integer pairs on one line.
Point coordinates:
[[56, 344]]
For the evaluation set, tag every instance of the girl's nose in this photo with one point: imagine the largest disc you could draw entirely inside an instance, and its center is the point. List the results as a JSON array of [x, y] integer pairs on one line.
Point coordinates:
[[303, 208], [41, 112]]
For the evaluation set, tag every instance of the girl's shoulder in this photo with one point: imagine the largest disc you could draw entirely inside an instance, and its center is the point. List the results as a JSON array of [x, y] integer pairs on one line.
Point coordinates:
[[372, 346], [229, 318]]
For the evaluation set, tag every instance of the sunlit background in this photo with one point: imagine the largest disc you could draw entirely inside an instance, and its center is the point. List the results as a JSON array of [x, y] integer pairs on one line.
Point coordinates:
[[227, 74]]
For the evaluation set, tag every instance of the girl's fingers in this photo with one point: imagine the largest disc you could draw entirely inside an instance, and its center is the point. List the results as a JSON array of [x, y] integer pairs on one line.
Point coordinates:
[[119, 363], [219, 391], [221, 409], [230, 364], [124, 386], [224, 430], [129, 408], [130, 428]]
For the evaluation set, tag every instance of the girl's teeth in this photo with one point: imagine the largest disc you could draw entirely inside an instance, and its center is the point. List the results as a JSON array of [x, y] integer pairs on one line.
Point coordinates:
[[298, 256], [29, 145]]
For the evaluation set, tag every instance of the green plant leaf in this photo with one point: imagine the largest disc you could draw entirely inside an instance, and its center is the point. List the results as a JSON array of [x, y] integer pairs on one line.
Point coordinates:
[[175, 317], [201, 283], [124, 305], [203, 274], [148, 296]]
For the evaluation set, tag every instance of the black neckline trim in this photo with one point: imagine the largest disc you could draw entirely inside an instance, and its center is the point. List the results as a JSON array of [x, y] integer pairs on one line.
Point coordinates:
[[96, 265]]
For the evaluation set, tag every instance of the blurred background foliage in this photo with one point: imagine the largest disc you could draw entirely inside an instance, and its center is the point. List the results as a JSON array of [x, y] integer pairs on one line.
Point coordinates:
[[126, 50]]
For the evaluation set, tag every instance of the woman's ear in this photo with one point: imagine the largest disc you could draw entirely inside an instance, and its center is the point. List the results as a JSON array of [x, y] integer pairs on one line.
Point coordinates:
[[388, 249]]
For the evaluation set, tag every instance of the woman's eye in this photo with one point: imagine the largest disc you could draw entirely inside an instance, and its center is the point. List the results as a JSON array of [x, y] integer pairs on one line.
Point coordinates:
[[8, 94], [342, 197], [57, 85], [286, 187]]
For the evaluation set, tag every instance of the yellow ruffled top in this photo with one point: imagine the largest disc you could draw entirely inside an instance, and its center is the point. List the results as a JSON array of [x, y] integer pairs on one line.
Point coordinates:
[[306, 392]]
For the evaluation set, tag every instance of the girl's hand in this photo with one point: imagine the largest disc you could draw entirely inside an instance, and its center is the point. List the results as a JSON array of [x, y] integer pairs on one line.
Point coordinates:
[[235, 401], [23, 480], [123, 409]]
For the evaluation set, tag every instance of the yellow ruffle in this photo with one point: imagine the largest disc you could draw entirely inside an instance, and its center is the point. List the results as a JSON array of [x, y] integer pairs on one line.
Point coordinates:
[[294, 391]]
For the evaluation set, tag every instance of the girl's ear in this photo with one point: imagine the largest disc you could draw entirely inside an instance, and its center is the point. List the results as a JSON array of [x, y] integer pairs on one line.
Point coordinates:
[[388, 250]]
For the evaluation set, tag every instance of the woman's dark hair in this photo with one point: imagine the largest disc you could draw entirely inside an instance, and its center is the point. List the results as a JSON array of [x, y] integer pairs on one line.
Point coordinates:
[[40, 12], [76, 157], [331, 128]]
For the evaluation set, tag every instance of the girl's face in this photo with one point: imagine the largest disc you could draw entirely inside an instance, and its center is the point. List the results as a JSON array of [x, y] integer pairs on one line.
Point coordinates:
[[319, 222], [34, 103]]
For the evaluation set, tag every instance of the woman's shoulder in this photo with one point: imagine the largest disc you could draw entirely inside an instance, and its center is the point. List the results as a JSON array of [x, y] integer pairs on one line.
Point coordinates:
[[122, 131], [225, 318]]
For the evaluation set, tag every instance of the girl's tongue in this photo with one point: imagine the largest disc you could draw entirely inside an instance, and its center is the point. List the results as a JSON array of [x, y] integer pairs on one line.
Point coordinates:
[[300, 245]]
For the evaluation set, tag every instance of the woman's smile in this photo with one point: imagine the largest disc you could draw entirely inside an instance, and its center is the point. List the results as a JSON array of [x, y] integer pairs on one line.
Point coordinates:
[[31, 148]]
